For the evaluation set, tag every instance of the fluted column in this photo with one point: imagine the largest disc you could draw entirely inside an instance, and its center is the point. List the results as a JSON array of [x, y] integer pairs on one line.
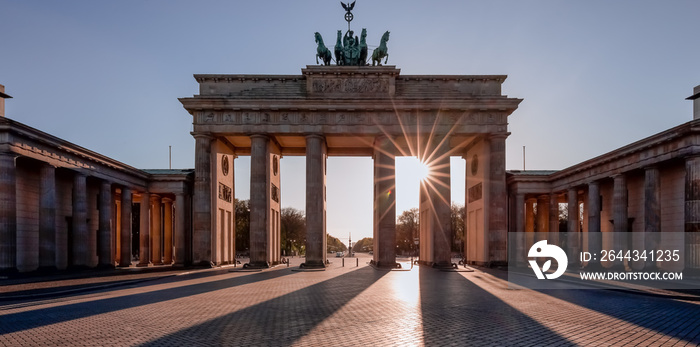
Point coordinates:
[[201, 236], [105, 255], [80, 228], [145, 229], [47, 217], [572, 223], [520, 250], [8, 212], [542, 216], [553, 235], [620, 203], [156, 228], [315, 201], [437, 190], [259, 197], [652, 212], [180, 213], [692, 194], [125, 232], [529, 223], [530, 215], [553, 213], [167, 231], [593, 207], [498, 202], [652, 207], [384, 202]]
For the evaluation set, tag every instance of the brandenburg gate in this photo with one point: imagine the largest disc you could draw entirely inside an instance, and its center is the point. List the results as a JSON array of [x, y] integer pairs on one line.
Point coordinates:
[[350, 111]]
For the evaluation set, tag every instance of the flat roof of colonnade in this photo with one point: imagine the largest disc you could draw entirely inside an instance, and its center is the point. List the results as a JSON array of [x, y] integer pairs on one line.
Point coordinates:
[[350, 106]]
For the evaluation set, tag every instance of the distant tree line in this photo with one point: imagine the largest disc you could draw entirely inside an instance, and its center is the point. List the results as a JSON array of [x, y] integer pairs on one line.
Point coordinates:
[[293, 230]]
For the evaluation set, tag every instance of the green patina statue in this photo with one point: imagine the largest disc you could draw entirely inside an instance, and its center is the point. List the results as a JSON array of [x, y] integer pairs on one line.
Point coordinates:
[[322, 51], [381, 51], [350, 50]]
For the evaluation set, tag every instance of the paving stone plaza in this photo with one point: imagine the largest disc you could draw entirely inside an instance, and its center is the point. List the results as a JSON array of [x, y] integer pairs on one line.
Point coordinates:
[[342, 306]]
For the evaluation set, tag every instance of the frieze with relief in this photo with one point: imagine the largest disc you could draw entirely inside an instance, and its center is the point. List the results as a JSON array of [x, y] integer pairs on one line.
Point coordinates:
[[349, 118], [350, 85]]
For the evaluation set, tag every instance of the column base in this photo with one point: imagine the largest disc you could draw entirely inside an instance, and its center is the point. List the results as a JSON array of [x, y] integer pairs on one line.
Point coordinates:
[[443, 265], [385, 264], [313, 265], [257, 265], [142, 265]]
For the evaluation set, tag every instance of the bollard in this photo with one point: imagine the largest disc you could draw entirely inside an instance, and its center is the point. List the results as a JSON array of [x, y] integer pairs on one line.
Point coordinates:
[[357, 262], [287, 262], [343, 262]]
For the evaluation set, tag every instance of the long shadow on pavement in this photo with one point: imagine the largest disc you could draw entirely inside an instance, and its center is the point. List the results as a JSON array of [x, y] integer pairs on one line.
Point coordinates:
[[46, 316], [651, 312], [280, 321], [654, 313], [119, 280], [456, 311]]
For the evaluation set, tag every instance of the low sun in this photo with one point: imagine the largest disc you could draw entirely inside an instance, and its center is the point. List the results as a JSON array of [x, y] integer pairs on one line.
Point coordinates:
[[419, 170]]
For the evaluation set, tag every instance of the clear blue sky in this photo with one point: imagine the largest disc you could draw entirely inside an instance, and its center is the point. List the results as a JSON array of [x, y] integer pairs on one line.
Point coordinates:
[[106, 75]]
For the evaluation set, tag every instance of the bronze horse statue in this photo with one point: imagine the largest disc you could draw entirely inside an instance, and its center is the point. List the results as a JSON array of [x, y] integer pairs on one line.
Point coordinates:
[[339, 55], [322, 51], [363, 48], [381, 51]]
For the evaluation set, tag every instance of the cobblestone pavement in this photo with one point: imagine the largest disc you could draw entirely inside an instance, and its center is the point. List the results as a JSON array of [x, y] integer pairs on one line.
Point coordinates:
[[345, 306]]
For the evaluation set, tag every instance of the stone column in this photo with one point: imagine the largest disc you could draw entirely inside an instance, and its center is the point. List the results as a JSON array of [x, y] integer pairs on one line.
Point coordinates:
[[47, 217], [572, 224], [620, 219], [652, 207], [593, 207], [259, 196], [105, 255], [652, 211], [80, 227], [529, 224], [201, 238], [530, 215], [168, 231], [497, 218], [437, 188], [553, 213], [315, 201], [542, 216], [156, 228], [692, 194], [553, 235], [180, 214], [8, 212], [125, 232], [520, 250], [145, 229], [384, 202], [620, 204]]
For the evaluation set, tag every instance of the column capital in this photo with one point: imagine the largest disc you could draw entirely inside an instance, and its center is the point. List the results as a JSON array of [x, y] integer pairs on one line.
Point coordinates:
[[202, 135], [167, 200], [315, 135], [155, 197], [259, 136], [497, 136]]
